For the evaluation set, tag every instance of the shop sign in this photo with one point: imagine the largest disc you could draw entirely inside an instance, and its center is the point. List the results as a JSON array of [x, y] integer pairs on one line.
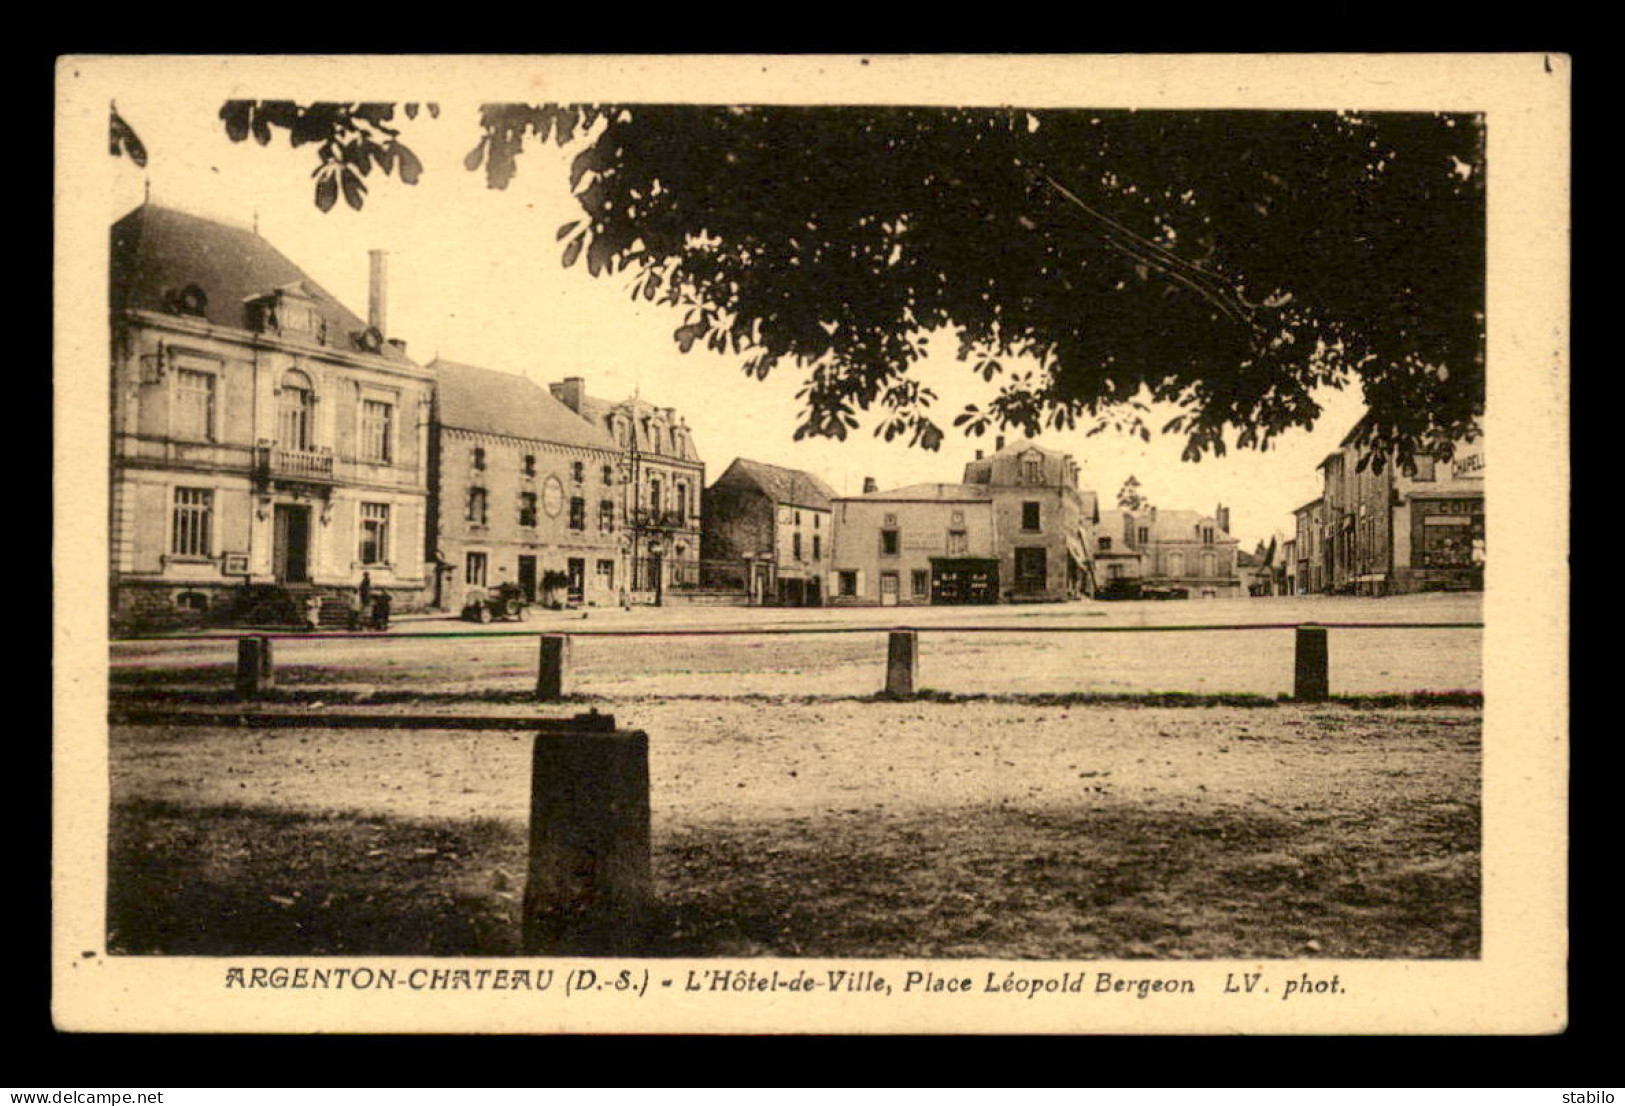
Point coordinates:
[[1468, 465]]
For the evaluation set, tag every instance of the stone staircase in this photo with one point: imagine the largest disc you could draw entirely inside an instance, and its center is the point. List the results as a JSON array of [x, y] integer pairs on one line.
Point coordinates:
[[284, 605]]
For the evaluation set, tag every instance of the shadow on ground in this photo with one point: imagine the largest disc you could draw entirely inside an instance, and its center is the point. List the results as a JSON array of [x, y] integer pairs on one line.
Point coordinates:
[[1108, 882]]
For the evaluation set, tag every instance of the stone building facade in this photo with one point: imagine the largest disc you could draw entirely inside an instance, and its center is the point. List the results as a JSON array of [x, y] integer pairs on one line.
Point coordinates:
[[662, 479], [267, 444], [525, 491], [769, 529], [1394, 532], [1311, 555], [1168, 549], [914, 546], [1043, 520]]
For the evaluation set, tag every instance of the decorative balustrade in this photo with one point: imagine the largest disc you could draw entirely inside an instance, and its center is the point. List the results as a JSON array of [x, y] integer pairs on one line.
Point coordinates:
[[302, 464], [645, 519]]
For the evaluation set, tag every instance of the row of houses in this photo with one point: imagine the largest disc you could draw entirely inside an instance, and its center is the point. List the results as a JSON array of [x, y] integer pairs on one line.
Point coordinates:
[[1390, 532], [1018, 527], [269, 445]]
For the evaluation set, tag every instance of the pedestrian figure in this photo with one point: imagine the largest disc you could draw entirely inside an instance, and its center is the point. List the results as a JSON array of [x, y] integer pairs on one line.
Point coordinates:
[[361, 606], [313, 611], [380, 611]]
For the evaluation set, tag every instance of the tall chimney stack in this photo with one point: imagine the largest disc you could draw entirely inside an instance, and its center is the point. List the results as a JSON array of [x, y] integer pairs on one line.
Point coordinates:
[[569, 391], [869, 485], [998, 444], [378, 292]]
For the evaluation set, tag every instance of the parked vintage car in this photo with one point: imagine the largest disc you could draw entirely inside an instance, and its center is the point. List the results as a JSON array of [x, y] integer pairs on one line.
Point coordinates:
[[1119, 589], [505, 601], [1156, 592]]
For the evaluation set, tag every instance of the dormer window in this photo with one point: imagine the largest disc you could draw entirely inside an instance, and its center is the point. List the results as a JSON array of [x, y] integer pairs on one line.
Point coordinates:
[[190, 300], [1032, 470], [288, 313]]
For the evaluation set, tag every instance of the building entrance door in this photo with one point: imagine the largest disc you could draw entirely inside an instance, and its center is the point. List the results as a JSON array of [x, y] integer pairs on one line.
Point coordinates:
[[578, 579], [290, 546], [527, 577], [888, 589], [1032, 570]]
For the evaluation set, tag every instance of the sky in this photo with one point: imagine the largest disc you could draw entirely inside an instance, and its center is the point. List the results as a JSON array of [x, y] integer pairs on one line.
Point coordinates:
[[475, 276]]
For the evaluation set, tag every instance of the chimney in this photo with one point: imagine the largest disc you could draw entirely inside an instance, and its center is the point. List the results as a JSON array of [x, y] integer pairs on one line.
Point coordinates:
[[378, 291], [869, 485], [998, 444], [568, 392], [978, 455], [1222, 517]]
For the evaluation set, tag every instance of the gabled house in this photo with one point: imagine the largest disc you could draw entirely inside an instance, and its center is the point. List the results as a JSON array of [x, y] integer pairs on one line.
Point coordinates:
[[770, 528]]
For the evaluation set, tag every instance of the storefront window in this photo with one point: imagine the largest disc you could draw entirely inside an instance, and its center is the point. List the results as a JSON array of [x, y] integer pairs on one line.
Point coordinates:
[[1450, 534]]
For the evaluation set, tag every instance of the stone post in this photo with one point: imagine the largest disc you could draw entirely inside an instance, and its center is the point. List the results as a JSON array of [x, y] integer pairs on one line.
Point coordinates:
[[1310, 682], [255, 674], [902, 662], [553, 675], [589, 889]]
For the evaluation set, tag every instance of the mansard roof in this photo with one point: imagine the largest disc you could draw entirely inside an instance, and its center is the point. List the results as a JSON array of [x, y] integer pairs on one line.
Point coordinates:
[[158, 252], [639, 413]]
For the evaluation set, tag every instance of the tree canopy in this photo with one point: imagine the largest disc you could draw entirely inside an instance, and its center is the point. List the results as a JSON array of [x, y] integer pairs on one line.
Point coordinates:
[[1129, 496], [1225, 262]]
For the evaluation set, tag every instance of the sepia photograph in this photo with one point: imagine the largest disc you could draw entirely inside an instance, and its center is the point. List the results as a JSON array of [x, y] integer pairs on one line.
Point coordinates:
[[779, 544]]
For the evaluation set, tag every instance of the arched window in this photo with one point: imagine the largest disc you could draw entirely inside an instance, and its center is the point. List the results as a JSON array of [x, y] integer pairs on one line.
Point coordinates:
[[295, 412], [1176, 564]]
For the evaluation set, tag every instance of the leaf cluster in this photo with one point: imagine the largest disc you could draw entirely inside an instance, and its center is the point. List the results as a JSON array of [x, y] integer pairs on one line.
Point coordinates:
[[350, 139], [1226, 263]]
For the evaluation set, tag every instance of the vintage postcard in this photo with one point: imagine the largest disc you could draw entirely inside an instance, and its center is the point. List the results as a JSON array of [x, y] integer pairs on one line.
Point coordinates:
[[803, 544]]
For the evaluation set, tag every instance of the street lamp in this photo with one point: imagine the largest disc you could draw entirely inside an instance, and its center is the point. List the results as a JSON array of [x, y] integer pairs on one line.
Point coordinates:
[[655, 551]]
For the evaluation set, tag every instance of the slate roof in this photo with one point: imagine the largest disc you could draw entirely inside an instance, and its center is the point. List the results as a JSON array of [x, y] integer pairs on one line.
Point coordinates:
[[472, 398], [965, 492], [781, 485], [157, 251], [597, 412]]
